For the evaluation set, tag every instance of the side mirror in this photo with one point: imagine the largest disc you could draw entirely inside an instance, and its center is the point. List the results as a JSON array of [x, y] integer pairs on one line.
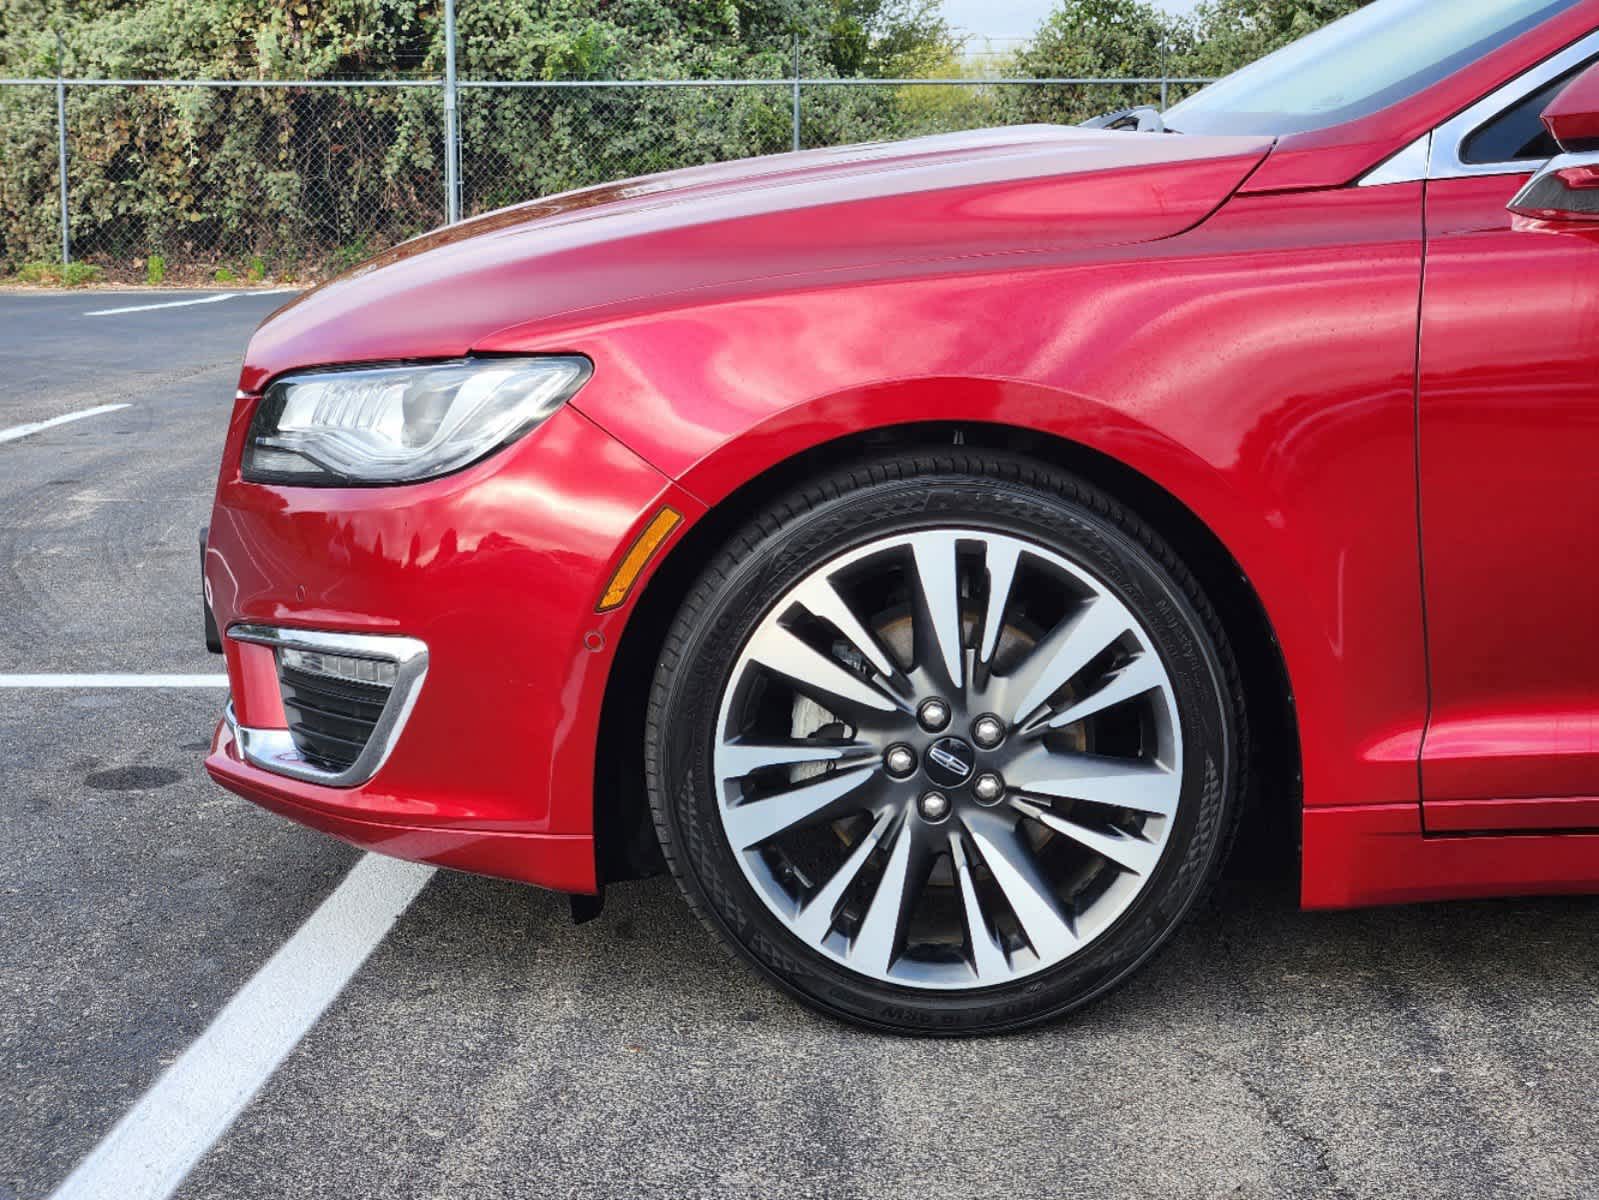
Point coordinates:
[[1567, 189]]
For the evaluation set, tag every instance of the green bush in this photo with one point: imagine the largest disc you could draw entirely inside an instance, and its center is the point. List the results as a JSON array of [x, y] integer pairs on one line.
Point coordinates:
[[39, 273], [1133, 38], [155, 270], [224, 275], [299, 177], [48, 274]]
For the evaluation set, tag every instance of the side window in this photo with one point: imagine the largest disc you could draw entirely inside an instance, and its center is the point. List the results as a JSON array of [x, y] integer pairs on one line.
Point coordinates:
[[1517, 134]]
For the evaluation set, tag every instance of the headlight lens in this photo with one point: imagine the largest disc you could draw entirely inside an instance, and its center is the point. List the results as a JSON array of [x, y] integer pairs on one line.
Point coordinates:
[[402, 424]]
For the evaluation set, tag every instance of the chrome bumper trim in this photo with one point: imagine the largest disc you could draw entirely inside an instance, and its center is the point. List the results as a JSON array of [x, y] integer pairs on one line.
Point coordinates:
[[274, 749]]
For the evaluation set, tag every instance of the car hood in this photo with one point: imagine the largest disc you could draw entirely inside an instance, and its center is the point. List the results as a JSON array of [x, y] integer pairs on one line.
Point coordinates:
[[792, 218]]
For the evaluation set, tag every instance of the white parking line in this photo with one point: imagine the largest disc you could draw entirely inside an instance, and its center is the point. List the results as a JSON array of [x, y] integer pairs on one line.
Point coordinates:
[[111, 312], [22, 431], [113, 681], [148, 1153], [133, 308]]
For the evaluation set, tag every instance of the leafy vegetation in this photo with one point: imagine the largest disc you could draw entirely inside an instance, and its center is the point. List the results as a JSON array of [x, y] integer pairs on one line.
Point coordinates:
[[53, 274], [1229, 33], [1095, 39], [300, 181], [1135, 39]]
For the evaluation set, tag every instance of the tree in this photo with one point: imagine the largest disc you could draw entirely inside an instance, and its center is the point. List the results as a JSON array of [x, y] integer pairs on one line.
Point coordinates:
[[1229, 34], [890, 39], [1095, 39], [1110, 38]]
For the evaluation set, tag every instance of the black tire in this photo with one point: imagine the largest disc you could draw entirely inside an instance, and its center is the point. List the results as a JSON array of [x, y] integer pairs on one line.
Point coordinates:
[[925, 491]]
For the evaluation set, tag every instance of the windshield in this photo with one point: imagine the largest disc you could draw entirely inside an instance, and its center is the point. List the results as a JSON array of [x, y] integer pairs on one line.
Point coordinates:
[[1358, 65]]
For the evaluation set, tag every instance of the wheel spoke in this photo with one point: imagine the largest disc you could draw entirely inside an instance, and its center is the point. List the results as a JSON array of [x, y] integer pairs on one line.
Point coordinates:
[[1118, 782], [938, 580], [1142, 674], [988, 959], [1066, 650], [1000, 558], [1017, 873], [882, 930], [1130, 853], [738, 758], [815, 917], [755, 821], [829, 683], [820, 598]]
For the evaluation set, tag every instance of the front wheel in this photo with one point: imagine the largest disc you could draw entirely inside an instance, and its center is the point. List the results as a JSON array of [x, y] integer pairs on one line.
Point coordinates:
[[945, 744]]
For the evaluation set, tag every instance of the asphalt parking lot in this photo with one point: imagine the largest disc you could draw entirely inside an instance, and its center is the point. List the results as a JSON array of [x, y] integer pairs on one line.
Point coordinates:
[[487, 1047]]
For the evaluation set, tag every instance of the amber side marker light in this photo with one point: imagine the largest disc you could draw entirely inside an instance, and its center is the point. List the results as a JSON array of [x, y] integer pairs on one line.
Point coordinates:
[[638, 557]]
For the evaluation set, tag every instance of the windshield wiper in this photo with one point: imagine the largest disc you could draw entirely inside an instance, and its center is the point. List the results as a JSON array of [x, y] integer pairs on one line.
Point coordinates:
[[1145, 118]]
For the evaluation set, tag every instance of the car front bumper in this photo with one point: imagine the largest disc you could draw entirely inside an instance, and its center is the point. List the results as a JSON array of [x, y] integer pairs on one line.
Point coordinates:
[[496, 573]]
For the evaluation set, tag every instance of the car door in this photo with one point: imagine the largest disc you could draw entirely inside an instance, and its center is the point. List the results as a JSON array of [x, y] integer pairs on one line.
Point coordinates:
[[1508, 463]]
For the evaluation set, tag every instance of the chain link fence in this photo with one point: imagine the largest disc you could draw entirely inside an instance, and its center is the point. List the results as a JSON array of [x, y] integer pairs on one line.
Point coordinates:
[[198, 181], [519, 142]]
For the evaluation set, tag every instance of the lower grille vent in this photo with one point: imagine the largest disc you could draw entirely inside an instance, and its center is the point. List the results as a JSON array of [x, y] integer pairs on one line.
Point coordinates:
[[346, 698], [331, 720]]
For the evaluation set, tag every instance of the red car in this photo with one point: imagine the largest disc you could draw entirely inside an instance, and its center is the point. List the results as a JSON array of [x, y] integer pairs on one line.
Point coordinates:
[[933, 552]]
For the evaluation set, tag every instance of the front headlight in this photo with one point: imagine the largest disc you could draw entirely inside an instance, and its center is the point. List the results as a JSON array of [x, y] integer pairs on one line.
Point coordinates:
[[402, 424]]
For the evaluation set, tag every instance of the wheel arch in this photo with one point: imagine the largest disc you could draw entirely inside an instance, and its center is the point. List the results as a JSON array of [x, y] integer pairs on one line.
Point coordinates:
[[624, 834]]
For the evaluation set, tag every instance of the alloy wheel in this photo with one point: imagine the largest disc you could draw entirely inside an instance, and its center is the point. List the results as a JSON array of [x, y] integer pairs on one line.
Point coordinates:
[[948, 758]]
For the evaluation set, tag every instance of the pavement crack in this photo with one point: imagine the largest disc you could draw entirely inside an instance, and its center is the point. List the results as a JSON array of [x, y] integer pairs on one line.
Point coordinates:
[[1279, 1118]]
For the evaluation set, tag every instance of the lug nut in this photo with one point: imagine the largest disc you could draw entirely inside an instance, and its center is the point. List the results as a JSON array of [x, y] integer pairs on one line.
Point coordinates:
[[988, 788], [900, 760], [933, 806], [933, 714], [988, 731]]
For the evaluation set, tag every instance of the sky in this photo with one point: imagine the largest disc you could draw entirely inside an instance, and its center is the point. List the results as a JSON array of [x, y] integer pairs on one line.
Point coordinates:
[[1009, 19]]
